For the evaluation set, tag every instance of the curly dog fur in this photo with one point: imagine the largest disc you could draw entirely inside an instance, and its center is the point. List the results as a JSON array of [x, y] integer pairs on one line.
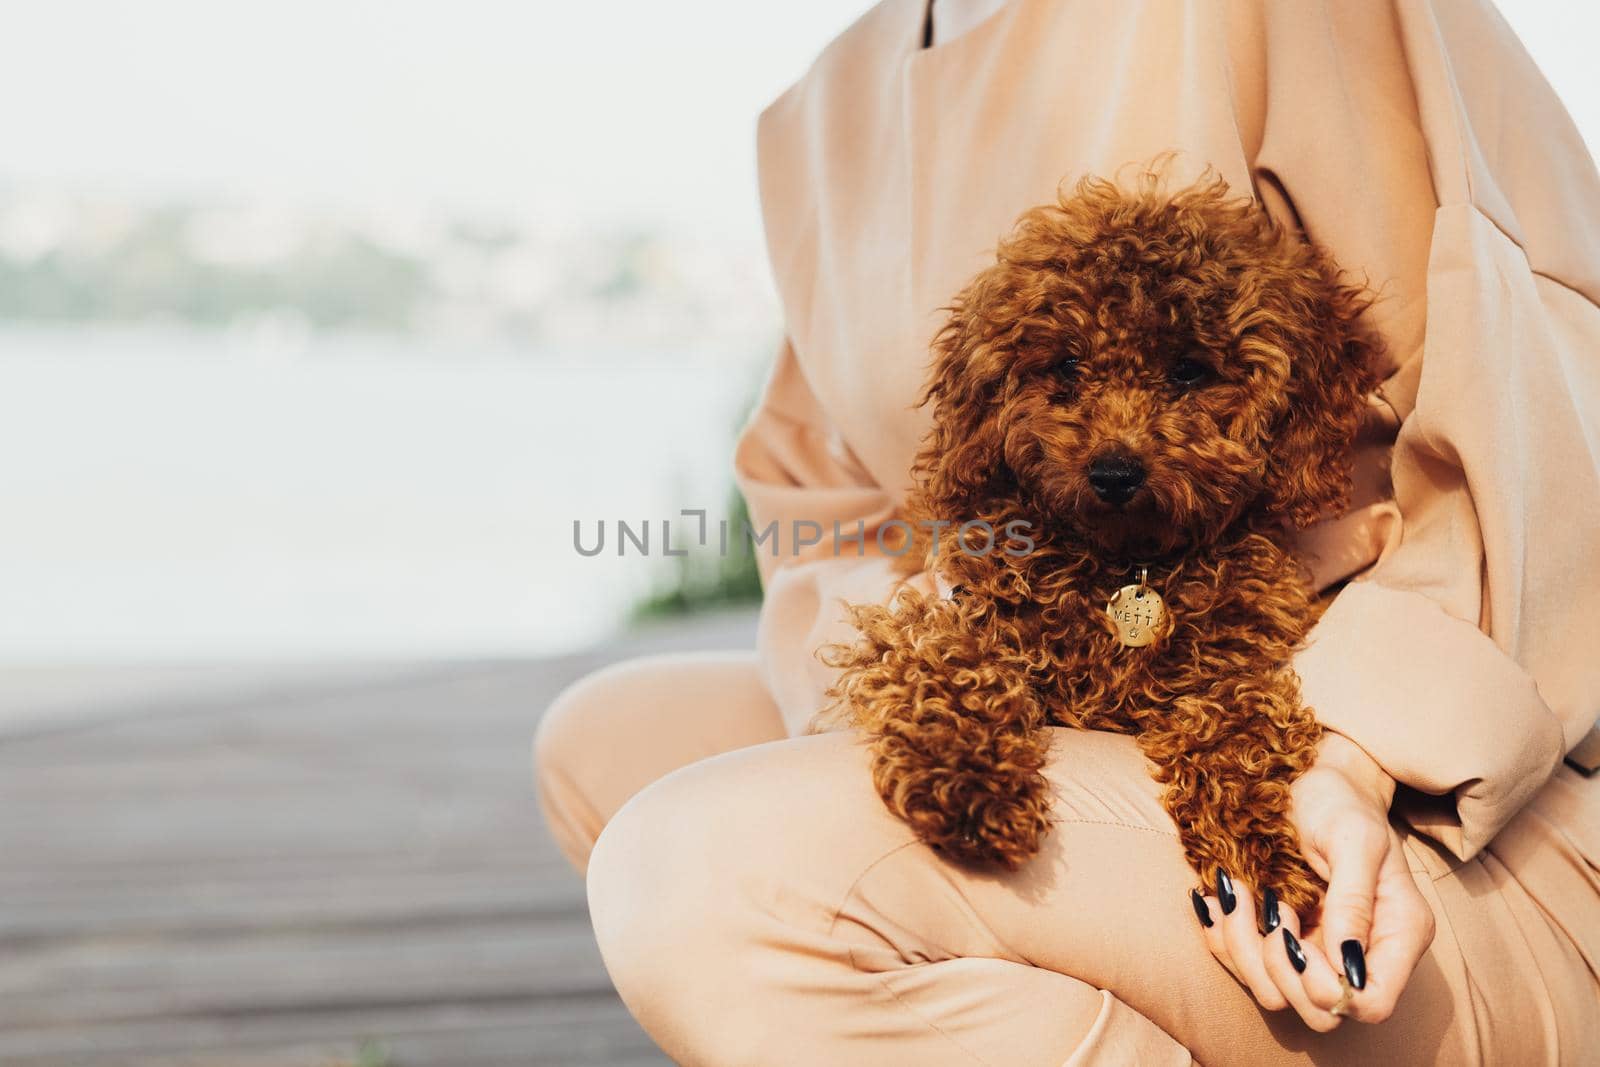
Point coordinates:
[[1224, 355]]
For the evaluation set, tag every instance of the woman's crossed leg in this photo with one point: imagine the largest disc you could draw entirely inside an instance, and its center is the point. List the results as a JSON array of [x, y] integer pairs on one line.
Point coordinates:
[[762, 907]]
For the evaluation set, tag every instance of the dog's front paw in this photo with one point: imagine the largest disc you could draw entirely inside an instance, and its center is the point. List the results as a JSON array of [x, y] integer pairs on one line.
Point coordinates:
[[976, 818]]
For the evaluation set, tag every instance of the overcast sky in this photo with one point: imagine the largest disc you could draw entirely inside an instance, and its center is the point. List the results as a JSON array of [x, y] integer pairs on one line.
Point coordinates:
[[587, 109]]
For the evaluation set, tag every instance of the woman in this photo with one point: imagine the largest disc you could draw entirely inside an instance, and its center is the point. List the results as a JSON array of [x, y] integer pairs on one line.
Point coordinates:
[[761, 906]]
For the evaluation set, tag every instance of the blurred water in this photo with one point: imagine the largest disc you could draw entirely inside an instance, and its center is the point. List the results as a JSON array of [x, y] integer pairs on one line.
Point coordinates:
[[170, 495]]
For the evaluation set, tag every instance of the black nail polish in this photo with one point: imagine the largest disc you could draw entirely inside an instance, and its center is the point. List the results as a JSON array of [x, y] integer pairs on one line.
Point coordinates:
[[1355, 963], [1201, 912], [1225, 894], [1297, 955], [1269, 910]]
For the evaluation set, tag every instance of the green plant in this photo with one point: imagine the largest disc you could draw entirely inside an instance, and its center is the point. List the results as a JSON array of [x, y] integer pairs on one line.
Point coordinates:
[[370, 1053], [707, 578]]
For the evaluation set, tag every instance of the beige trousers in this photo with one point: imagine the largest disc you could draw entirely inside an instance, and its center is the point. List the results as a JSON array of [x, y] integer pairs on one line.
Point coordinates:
[[755, 904]]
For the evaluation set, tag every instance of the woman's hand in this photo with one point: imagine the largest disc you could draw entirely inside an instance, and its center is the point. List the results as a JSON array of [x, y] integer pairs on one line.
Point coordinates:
[[1375, 924]]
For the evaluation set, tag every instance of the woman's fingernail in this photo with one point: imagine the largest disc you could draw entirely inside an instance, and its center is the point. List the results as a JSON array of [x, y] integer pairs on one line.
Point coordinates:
[[1297, 955], [1355, 963], [1201, 912], [1225, 895], [1269, 910]]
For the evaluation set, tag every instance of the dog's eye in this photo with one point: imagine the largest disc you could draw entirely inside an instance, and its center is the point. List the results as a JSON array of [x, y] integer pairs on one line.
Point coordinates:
[[1066, 376], [1187, 372]]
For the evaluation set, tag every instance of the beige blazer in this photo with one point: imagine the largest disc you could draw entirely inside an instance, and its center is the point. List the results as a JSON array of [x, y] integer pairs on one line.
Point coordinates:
[[1416, 140]]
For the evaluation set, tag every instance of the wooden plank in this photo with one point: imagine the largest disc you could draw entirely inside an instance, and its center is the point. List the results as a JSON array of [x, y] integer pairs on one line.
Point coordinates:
[[549, 1033], [272, 875]]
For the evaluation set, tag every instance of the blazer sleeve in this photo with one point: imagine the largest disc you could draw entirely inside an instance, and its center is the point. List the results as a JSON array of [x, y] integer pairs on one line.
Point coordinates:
[[801, 483], [1465, 660]]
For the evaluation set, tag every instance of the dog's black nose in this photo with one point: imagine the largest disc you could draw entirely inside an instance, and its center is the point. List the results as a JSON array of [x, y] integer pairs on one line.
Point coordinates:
[[1116, 476]]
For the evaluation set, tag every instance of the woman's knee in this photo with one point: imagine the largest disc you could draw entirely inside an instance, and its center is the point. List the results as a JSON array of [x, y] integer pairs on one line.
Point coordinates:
[[613, 732], [702, 882], [568, 731], [697, 843], [663, 917], [570, 744], [698, 703]]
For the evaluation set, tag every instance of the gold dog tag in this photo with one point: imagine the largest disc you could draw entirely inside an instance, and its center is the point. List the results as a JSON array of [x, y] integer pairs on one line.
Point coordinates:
[[1138, 613]]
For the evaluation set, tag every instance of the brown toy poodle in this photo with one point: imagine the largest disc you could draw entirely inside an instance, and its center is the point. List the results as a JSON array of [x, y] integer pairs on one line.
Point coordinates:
[[1150, 390]]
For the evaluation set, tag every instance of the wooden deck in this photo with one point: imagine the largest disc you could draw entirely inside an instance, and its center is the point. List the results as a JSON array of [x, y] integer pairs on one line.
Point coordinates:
[[344, 871]]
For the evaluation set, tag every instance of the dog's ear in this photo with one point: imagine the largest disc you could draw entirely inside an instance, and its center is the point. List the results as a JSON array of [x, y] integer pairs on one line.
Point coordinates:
[[1332, 363], [960, 466]]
